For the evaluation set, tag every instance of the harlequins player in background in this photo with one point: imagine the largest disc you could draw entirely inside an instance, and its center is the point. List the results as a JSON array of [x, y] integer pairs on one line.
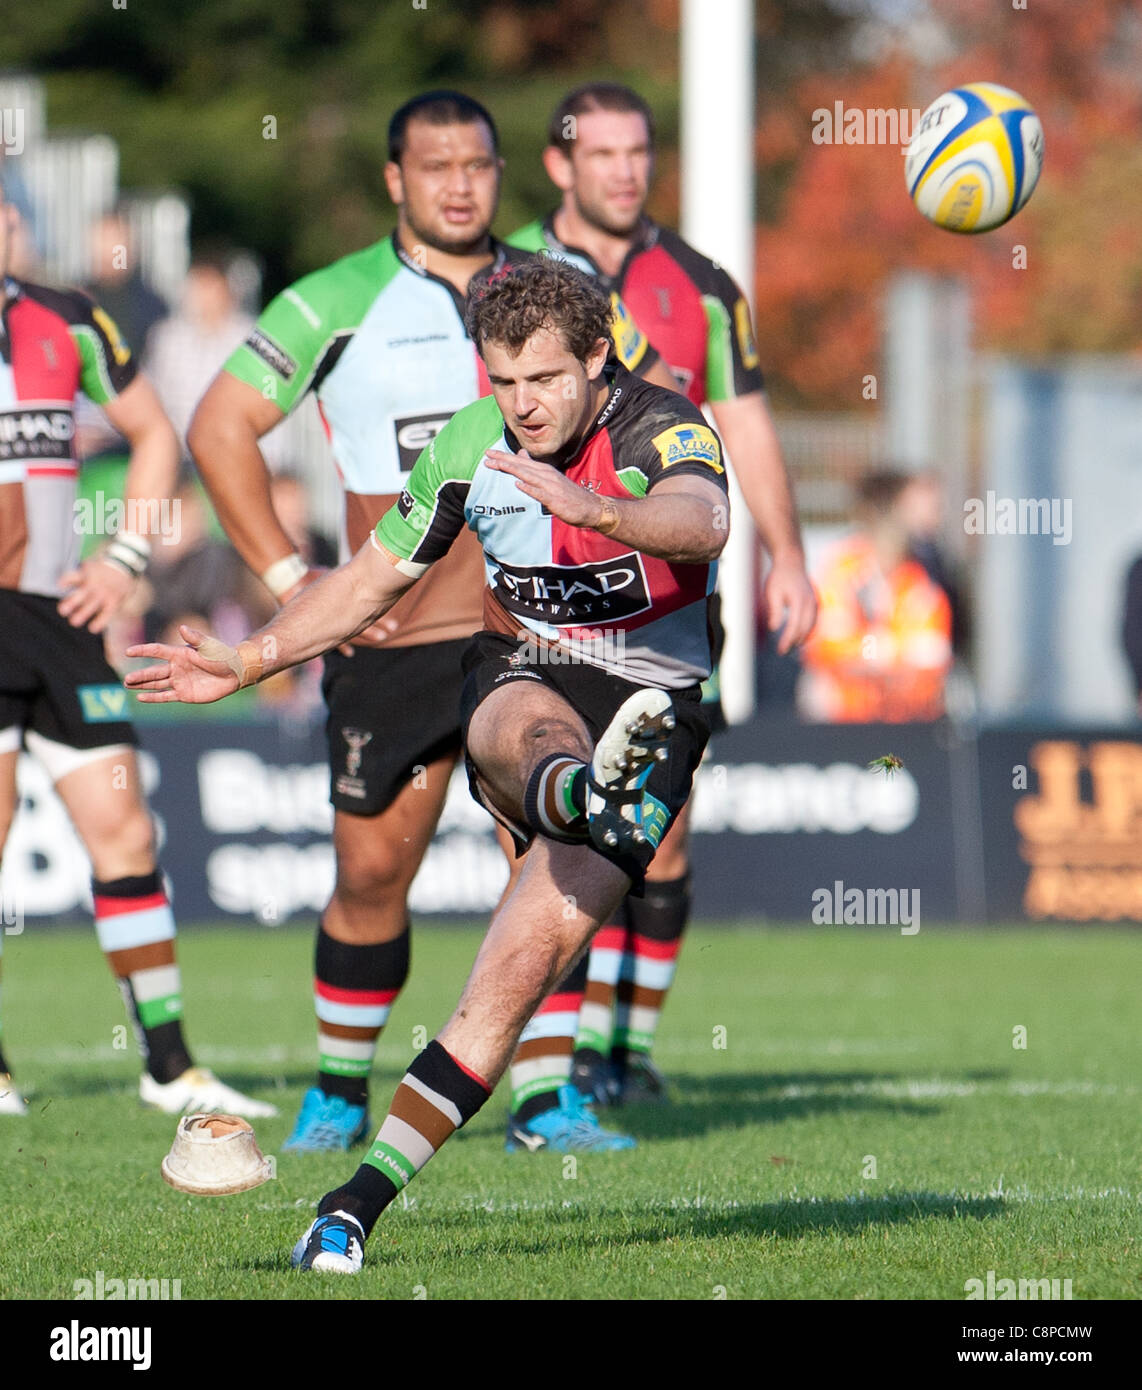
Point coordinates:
[[59, 699]]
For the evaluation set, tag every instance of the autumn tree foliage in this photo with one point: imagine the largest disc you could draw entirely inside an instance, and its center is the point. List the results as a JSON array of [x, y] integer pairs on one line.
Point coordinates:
[[1064, 276]]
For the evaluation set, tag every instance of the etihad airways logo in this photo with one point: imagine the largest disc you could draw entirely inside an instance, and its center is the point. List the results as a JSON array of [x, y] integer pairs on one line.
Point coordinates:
[[36, 434], [584, 593]]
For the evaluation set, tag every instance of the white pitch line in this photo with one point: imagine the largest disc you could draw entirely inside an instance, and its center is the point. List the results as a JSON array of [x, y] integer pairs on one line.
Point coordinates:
[[1019, 1196], [920, 1088]]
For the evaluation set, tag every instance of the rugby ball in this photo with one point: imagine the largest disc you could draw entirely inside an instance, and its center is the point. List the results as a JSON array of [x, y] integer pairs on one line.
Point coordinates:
[[974, 157]]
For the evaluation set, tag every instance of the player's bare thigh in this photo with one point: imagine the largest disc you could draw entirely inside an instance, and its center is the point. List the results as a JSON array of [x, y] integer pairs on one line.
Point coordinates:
[[104, 798], [8, 799], [378, 858]]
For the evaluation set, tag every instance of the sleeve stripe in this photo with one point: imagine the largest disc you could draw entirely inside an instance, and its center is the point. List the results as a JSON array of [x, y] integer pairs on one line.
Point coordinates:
[[304, 382], [95, 358], [440, 493], [406, 567]]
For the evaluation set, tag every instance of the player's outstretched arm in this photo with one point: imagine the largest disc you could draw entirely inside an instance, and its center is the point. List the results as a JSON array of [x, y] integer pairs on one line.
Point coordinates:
[[322, 615], [683, 519]]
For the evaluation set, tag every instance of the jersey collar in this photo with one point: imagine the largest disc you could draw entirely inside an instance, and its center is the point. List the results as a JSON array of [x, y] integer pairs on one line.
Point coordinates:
[[645, 237], [499, 253]]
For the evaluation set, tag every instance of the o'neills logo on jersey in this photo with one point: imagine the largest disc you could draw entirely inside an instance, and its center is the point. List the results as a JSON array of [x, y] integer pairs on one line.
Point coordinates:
[[271, 353], [584, 593], [36, 434]]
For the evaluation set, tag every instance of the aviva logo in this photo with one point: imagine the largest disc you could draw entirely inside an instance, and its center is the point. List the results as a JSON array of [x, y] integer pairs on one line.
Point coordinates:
[[120, 350], [102, 704], [689, 442]]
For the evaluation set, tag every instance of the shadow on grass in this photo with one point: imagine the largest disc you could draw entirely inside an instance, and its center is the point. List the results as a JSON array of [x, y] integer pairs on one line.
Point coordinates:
[[786, 1217], [507, 1234], [731, 1100]]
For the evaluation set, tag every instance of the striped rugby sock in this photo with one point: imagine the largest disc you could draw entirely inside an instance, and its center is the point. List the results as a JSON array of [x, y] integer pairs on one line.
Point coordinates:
[[555, 800], [354, 989], [4, 1068], [437, 1096], [542, 1060], [597, 1012], [658, 921], [135, 928]]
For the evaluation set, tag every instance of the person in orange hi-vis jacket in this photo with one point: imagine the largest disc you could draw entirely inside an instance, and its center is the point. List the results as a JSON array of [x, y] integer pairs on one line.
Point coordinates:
[[882, 647]]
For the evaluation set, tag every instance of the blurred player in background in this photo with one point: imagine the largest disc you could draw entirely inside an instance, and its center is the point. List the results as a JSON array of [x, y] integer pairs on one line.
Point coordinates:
[[600, 155], [186, 349], [882, 647], [59, 698], [379, 337], [599, 503]]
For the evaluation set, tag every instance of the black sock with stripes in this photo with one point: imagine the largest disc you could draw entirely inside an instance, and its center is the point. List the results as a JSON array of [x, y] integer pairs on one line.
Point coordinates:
[[136, 931], [365, 981], [555, 800], [443, 1092], [657, 925]]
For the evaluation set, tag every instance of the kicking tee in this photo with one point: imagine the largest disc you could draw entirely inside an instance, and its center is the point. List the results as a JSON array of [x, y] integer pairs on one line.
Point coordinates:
[[641, 618]]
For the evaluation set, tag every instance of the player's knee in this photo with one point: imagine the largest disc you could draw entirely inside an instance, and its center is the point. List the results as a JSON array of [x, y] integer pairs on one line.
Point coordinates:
[[553, 735], [128, 837], [369, 874]]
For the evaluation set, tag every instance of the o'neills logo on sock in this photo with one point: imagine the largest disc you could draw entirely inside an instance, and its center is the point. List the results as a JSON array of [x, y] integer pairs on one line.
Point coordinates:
[[75, 1343]]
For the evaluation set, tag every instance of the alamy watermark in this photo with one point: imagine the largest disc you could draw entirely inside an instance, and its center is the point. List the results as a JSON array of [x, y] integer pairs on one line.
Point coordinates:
[[881, 907], [133, 1287], [1019, 516], [1001, 1288], [12, 130], [152, 517], [601, 646], [76, 1343], [872, 126], [11, 917]]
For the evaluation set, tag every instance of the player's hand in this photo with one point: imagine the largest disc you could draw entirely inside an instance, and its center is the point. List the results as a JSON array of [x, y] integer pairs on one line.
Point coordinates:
[[183, 674], [94, 591], [791, 600], [375, 635], [566, 500]]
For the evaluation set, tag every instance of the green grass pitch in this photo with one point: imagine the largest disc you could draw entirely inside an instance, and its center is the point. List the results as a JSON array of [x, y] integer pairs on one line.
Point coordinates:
[[843, 1048]]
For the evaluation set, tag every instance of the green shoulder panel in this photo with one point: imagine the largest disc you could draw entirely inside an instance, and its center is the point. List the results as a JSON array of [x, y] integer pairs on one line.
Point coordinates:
[[429, 514], [529, 238], [296, 330]]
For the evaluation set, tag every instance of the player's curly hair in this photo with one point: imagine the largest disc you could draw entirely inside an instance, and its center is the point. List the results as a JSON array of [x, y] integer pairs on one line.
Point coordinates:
[[544, 293]]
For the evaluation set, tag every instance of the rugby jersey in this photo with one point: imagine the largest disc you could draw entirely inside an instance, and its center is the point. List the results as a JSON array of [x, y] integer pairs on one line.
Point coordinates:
[[382, 344], [685, 303], [639, 617], [54, 344]]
